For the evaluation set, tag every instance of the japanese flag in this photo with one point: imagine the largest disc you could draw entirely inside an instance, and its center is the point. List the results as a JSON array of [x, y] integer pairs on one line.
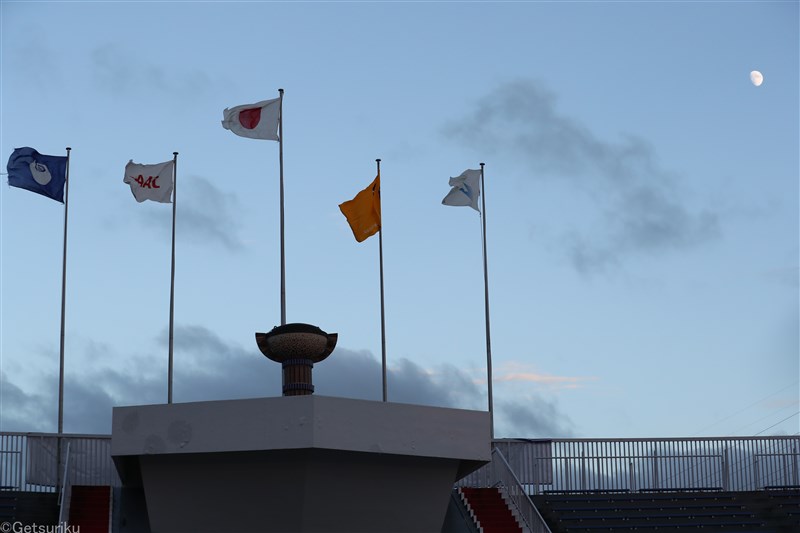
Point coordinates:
[[255, 121]]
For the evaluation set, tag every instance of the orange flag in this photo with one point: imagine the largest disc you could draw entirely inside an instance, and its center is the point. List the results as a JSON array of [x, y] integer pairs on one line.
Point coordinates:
[[363, 212]]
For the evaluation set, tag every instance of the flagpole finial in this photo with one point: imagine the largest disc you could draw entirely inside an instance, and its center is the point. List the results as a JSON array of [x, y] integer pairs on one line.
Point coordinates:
[[482, 164], [68, 148], [378, 160], [280, 91], [174, 153]]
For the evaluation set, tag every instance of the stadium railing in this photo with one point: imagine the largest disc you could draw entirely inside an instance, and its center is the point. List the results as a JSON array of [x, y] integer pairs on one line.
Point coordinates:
[[649, 465]]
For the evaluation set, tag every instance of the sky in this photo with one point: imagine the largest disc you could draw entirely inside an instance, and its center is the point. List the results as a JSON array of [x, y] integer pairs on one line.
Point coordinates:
[[641, 208]]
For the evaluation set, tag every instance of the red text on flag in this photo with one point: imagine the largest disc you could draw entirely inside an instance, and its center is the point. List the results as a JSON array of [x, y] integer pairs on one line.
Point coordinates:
[[150, 183]]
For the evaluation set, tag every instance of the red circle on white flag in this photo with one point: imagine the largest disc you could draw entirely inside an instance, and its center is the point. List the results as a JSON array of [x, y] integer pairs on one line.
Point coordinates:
[[249, 118]]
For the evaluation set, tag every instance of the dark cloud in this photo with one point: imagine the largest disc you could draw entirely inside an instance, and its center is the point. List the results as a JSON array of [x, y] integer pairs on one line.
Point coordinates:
[[636, 198], [205, 215], [786, 277], [23, 411], [122, 73], [536, 418], [350, 374], [219, 371], [207, 367], [34, 61], [447, 387]]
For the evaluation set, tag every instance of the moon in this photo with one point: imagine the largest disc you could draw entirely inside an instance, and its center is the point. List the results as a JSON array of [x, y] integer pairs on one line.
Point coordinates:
[[757, 78]]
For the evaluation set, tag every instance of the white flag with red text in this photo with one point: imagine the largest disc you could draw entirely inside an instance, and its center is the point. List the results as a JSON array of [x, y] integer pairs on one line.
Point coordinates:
[[254, 121], [150, 182]]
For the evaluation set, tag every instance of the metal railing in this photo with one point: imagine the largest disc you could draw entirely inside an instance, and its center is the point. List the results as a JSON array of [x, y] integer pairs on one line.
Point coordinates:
[[642, 465], [774, 469], [504, 478], [62, 496], [30, 461]]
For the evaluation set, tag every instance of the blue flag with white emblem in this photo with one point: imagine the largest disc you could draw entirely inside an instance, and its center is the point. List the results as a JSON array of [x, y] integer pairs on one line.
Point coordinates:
[[42, 174], [466, 189]]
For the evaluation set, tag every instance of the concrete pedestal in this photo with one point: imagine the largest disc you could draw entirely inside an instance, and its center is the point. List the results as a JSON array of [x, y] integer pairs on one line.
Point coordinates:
[[300, 463]]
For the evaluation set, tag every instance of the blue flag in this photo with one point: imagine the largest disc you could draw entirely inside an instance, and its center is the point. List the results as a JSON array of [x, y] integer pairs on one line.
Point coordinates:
[[42, 174]]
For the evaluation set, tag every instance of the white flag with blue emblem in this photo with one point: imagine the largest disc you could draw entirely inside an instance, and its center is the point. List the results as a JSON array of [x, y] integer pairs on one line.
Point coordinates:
[[466, 190]]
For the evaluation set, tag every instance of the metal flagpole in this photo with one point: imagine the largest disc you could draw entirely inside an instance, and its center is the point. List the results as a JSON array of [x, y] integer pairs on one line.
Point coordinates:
[[486, 296], [283, 256], [63, 305], [63, 315], [172, 273], [383, 315]]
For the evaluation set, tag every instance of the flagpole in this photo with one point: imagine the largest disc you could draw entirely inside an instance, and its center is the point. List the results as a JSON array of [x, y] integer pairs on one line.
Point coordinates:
[[63, 305], [63, 315], [172, 274], [383, 314], [486, 301], [283, 256]]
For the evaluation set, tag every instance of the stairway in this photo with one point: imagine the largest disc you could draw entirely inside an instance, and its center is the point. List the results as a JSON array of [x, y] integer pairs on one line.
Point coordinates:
[[8, 506], [28, 507], [90, 508], [491, 511]]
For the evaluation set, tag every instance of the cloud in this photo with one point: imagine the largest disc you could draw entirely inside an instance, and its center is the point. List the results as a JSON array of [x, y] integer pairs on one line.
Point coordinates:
[[785, 276], [122, 73], [34, 61], [636, 199], [517, 372], [531, 415], [207, 367], [20, 410], [206, 215], [213, 369], [557, 382], [534, 418], [450, 387]]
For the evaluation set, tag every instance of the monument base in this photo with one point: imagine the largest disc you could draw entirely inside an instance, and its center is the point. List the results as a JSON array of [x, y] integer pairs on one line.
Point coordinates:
[[299, 463]]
